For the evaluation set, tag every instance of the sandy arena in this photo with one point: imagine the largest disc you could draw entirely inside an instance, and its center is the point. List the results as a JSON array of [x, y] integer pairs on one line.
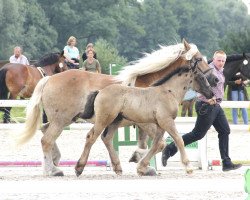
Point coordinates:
[[171, 183]]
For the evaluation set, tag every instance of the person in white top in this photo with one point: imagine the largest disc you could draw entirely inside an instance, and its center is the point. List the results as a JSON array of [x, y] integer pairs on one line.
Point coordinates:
[[18, 57], [71, 53]]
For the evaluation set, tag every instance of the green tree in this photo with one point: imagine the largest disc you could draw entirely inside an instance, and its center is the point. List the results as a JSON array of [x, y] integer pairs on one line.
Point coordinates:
[[108, 54], [12, 18], [159, 23]]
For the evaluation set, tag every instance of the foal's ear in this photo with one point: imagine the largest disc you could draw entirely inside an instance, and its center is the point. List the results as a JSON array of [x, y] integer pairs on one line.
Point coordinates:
[[186, 44]]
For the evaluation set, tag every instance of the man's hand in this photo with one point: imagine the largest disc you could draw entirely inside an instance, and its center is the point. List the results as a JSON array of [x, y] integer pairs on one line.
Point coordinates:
[[212, 101]]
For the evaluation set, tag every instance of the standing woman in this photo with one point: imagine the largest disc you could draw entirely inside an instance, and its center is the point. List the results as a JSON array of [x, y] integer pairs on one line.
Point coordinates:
[[91, 64], [237, 92], [71, 53]]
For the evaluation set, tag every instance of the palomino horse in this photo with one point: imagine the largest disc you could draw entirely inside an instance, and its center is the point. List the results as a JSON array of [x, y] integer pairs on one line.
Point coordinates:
[[20, 80], [73, 86], [157, 104]]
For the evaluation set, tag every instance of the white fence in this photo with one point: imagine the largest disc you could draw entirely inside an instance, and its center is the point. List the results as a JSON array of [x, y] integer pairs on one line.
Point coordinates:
[[183, 123]]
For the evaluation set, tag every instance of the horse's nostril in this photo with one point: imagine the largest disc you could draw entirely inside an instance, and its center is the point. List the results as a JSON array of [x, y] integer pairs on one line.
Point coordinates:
[[216, 80]]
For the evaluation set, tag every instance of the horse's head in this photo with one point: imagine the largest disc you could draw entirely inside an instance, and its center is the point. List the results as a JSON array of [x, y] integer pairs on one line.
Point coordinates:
[[245, 65], [62, 65], [195, 59], [201, 84]]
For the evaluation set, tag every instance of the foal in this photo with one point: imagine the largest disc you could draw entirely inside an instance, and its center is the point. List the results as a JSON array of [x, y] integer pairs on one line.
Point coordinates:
[[157, 104]]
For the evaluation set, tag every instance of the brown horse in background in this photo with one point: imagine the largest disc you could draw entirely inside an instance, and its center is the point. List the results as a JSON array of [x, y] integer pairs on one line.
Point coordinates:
[[20, 80], [63, 96]]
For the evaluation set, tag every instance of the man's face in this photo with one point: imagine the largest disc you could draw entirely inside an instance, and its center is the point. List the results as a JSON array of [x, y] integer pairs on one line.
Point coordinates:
[[17, 53], [219, 61]]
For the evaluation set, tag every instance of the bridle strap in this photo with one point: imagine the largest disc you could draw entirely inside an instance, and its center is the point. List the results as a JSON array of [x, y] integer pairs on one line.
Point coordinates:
[[42, 72]]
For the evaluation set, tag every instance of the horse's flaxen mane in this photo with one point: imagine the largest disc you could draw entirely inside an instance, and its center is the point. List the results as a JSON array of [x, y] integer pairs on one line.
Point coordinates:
[[167, 77], [47, 59], [154, 62]]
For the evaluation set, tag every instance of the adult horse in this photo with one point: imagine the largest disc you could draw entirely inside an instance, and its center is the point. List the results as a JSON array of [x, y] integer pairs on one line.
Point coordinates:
[[73, 87], [157, 104], [20, 80]]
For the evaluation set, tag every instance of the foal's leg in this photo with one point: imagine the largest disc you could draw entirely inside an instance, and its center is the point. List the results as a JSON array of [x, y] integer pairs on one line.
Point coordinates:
[[91, 137], [48, 143], [107, 138], [170, 127]]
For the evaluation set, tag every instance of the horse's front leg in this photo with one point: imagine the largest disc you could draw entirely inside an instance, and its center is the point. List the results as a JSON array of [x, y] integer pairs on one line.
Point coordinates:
[[107, 138], [91, 137], [171, 129], [142, 166]]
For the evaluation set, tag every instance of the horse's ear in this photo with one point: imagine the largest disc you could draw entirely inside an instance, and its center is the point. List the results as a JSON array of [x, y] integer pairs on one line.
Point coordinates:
[[186, 44], [62, 53]]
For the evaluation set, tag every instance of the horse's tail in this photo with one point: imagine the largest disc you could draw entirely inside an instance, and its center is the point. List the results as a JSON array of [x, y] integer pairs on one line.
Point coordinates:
[[89, 106], [3, 87], [33, 113]]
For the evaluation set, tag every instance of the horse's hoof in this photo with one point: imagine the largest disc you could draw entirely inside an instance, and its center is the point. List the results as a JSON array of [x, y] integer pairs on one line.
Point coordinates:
[[58, 174], [150, 172], [119, 172], [189, 171], [135, 157]]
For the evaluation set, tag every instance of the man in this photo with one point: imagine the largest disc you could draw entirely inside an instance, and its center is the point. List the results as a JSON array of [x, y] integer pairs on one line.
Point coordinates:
[[209, 112], [18, 57]]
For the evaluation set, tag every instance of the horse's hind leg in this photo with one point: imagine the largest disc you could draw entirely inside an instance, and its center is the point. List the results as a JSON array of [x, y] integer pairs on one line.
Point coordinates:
[[91, 137], [48, 142], [151, 130], [144, 162], [56, 154], [107, 138]]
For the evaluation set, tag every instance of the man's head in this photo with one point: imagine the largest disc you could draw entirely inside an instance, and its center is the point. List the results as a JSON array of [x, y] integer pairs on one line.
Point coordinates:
[[17, 51], [219, 59]]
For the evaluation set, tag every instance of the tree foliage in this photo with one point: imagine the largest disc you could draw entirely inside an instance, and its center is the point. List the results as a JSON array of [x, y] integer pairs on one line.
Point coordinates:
[[130, 27]]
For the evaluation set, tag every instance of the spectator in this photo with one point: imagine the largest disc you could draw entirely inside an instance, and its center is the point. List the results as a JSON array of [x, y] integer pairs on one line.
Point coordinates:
[[188, 103], [18, 57], [90, 46], [71, 53], [209, 112], [91, 64], [237, 92]]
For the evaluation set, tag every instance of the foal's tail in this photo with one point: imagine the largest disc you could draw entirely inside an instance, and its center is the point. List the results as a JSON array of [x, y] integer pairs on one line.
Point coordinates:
[[3, 87], [33, 113], [89, 106]]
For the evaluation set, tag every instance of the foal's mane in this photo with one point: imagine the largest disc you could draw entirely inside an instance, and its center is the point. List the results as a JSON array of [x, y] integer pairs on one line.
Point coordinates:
[[47, 59], [154, 62], [167, 77]]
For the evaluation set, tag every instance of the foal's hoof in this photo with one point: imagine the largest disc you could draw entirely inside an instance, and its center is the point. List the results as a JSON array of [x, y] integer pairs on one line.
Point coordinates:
[[150, 172], [78, 172]]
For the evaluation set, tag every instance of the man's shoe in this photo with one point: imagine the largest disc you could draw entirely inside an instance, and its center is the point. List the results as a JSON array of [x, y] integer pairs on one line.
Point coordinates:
[[165, 156], [231, 166]]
